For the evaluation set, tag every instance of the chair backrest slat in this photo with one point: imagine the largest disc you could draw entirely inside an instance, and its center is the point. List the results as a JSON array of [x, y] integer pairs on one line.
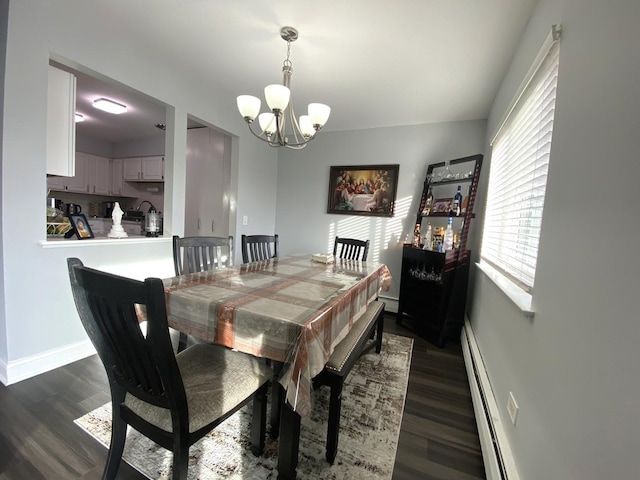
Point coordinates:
[[199, 254], [259, 247], [351, 248]]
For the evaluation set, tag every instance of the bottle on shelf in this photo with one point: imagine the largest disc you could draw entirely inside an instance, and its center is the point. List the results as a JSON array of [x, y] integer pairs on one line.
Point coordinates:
[[448, 236], [457, 202], [427, 242], [465, 204], [428, 204], [416, 236]]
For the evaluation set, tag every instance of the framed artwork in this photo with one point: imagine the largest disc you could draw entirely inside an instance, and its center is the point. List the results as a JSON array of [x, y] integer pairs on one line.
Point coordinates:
[[363, 190], [81, 226], [442, 205]]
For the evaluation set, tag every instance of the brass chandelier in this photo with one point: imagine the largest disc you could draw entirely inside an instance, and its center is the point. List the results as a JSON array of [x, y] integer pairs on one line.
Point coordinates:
[[279, 127]]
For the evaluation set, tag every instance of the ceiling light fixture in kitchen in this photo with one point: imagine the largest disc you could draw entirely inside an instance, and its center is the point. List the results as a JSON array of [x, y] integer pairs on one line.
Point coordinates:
[[273, 125], [79, 118], [109, 106]]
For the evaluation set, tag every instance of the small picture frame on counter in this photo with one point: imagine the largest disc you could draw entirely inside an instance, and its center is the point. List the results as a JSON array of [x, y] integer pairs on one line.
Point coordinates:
[[81, 226]]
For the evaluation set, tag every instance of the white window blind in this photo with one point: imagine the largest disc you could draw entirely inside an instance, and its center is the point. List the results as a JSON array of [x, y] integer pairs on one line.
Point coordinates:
[[518, 177]]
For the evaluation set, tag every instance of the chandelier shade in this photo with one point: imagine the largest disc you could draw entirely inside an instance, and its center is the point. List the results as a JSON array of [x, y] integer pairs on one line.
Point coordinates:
[[279, 127], [249, 106], [319, 113], [277, 96], [267, 122]]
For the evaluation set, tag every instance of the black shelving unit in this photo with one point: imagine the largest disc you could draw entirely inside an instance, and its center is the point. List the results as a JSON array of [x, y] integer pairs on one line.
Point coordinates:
[[433, 285]]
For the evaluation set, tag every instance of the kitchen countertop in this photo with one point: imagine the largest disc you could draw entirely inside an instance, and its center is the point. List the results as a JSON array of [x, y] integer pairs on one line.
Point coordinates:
[[61, 242]]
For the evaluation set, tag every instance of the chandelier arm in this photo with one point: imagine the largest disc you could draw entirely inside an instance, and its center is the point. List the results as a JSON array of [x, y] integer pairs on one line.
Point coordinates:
[[260, 136], [280, 124]]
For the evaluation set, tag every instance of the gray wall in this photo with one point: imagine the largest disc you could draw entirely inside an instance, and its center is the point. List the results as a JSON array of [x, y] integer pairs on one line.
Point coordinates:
[[573, 367], [302, 220], [4, 15]]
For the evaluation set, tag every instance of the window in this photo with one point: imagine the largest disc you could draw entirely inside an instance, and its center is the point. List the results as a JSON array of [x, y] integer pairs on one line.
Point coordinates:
[[518, 177]]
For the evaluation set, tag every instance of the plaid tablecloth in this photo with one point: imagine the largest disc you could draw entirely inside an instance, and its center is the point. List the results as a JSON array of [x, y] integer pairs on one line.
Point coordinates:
[[289, 309]]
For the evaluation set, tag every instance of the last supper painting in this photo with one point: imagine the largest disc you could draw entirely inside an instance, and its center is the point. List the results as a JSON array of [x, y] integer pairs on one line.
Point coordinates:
[[363, 190]]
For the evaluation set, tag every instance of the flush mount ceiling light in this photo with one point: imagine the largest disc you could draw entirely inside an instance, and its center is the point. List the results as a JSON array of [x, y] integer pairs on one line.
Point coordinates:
[[109, 106], [279, 127], [79, 118]]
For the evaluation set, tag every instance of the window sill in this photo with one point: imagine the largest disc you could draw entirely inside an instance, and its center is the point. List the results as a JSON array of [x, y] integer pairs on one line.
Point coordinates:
[[520, 298]]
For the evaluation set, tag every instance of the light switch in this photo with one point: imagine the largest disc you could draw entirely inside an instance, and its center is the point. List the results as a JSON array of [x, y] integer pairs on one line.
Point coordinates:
[[245, 220]]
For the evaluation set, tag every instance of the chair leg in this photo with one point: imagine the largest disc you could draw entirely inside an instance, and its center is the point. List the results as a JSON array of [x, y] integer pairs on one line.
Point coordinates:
[[180, 459], [182, 343], [118, 437], [379, 333], [335, 404], [259, 420]]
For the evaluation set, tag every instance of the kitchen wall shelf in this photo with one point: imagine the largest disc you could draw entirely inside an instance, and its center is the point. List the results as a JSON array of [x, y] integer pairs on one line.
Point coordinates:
[[433, 285]]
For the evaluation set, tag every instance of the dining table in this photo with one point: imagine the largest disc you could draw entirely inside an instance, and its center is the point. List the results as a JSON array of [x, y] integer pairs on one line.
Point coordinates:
[[291, 310]]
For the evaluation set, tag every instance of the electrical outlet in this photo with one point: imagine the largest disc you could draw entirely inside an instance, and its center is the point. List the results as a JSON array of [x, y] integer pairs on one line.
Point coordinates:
[[512, 408], [245, 220]]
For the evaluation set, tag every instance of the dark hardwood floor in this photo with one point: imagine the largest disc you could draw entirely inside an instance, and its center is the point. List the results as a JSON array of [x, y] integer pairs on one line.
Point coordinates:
[[438, 437], [38, 439]]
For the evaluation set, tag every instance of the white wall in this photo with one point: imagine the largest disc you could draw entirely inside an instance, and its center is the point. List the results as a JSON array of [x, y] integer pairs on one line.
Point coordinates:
[[37, 315], [4, 15], [302, 221], [572, 368]]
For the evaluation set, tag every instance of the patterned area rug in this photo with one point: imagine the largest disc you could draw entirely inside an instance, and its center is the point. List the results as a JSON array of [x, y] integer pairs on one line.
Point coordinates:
[[372, 406]]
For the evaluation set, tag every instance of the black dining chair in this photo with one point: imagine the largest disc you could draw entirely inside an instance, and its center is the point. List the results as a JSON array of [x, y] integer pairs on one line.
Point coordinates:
[[351, 248], [259, 247], [199, 254], [172, 399]]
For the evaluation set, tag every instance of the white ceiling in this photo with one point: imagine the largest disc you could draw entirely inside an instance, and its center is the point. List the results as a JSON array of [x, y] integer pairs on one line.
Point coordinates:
[[376, 63]]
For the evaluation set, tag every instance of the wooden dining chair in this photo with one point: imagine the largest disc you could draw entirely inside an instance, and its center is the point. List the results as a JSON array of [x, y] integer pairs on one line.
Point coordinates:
[[199, 254], [259, 247], [172, 399], [351, 248]]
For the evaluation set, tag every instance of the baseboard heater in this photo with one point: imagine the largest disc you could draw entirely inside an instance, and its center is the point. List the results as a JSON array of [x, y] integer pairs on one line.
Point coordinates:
[[498, 461]]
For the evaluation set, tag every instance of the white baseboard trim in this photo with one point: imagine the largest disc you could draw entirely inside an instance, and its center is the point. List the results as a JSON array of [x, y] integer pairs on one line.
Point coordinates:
[[498, 461], [17, 370], [3, 371], [390, 304]]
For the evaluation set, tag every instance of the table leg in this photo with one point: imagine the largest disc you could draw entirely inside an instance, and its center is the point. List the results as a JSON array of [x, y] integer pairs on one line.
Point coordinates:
[[276, 400], [289, 442]]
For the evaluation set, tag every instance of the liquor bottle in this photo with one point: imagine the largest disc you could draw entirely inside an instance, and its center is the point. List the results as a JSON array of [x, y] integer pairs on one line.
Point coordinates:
[[457, 202], [416, 236], [428, 204], [448, 236], [465, 204], [427, 243]]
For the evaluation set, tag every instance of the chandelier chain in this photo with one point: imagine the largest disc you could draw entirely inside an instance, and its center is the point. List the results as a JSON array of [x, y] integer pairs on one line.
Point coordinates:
[[287, 62]]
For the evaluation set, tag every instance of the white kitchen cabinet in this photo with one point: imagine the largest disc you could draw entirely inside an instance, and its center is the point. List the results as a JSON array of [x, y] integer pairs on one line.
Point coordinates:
[[61, 127], [153, 168], [117, 178], [55, 182], [208, 180], [131, 168], [78, 183], [144, 169], [99, 175]]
